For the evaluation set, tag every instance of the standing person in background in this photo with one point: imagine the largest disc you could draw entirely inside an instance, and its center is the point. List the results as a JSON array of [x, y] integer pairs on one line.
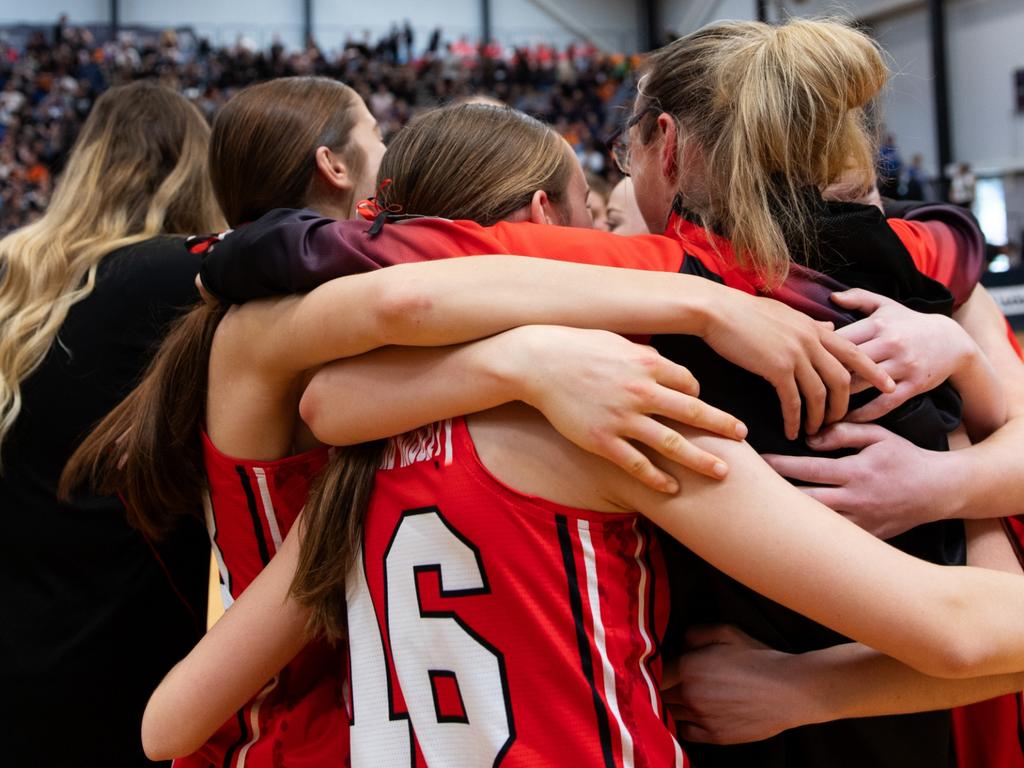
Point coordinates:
[[94, 613], [915, 179], [961, 188], [890, 167]]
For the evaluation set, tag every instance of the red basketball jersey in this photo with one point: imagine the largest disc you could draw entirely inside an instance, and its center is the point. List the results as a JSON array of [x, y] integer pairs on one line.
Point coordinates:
[[487, 626], [299, 718]]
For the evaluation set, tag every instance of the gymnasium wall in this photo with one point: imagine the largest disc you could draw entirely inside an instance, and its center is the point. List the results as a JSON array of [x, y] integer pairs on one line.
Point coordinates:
[[613, 23]]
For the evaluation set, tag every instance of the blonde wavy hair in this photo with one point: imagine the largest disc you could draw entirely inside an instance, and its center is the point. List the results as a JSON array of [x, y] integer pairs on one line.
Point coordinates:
[[138, 169], [766, 114]]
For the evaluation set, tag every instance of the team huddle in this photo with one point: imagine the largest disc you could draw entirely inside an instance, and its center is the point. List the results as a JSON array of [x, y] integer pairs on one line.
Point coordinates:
[[580, 504]]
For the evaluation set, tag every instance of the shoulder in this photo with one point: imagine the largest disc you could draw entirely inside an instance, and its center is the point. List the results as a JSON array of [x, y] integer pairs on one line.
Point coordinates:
[[142, 287], [160, 267]]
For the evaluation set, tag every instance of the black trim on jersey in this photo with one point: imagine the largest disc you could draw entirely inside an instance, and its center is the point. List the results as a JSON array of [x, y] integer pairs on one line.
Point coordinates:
[[244, 730], [1020, 720], [693, 266], [254, 513], [433, 675], [586, 658], [215, 537], [483, 590]]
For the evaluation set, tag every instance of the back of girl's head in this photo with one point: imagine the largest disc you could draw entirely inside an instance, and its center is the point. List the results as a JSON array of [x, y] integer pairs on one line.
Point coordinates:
[[766, 113], [136, 170], [473, 161], [265, 138]]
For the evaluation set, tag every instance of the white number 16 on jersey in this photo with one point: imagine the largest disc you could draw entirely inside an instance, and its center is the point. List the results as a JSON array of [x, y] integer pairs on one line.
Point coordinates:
[[437, 658]]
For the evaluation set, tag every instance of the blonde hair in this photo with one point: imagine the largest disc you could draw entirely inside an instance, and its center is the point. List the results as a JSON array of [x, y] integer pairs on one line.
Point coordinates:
[[473, 161], [769, 114], [137, 170]]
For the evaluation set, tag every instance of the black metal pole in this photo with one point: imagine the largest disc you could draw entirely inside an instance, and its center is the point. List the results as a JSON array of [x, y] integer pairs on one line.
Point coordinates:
[[307, 22], [115, 18], [650, 28], [485, 22], [762, 11], [940, 90]]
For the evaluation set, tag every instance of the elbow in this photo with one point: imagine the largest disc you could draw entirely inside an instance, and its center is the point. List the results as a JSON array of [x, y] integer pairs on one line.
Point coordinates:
[[162, 739], [951, 645], [313, 409], [402, 308]]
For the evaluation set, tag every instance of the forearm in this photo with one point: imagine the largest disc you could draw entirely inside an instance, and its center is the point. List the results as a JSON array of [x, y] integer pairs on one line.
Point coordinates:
[[458, 300], [255, 638], [983, 480], [447, 382], [853, 680], [984, 395]]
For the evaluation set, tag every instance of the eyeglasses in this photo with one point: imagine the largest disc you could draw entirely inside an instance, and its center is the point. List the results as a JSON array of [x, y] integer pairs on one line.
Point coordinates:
[[618, 143]]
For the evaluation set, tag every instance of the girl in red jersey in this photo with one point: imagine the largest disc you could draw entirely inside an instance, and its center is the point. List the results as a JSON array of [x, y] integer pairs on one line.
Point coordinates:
[[257, 483]]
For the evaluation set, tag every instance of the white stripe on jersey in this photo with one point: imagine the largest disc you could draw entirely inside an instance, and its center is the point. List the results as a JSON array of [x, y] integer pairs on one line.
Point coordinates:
[[608, 673], [642, 620], [423, 444], [268, 507], [211, 528], [644, 633], [254, 721]]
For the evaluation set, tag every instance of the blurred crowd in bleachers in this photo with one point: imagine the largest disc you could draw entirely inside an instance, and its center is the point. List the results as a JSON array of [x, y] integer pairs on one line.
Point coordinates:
[[49, 81]]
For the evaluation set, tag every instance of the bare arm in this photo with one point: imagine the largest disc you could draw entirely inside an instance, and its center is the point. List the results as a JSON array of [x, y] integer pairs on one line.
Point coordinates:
[[596, 388], [260, 634], [821, 565], [730, 689], [457, 300]]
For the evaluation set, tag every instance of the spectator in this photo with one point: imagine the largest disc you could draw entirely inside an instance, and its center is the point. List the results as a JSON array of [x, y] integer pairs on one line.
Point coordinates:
[[47, 88], [961, 188], [915, 179]]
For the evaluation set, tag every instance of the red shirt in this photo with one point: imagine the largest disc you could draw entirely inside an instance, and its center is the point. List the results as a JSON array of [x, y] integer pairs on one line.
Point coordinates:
[[301, 712], [489, 625]]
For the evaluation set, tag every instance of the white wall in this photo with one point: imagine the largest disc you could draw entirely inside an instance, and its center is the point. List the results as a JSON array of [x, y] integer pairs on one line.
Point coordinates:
[[613, 22], [685, 16], [47, 11], [222, 22]]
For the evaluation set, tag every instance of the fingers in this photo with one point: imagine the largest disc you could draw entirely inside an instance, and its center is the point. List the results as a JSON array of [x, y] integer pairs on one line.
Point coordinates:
[[857, 298], [809, 469], [847, 435], [677, 377], [711, 634], [789, 398], [690, 731], [837, 381], [696, 413], [882, 404], [628, 458], [815, 396], [860, 331], [677, 448], [857, 362], [837, 499]]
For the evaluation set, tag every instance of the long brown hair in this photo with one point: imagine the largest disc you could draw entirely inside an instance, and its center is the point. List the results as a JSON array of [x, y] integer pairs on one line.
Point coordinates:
[[771, 112], [137, 170], [261, 157], [469, 161]]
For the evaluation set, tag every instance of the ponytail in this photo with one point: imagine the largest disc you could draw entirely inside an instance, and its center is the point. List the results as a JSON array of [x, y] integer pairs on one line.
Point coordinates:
[[775, 115], [148, 449], [332, 523]]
